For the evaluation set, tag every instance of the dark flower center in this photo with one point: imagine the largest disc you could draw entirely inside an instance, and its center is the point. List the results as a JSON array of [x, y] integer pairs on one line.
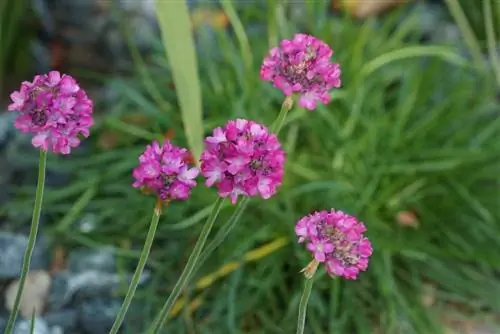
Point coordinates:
[[256, 164], [38, 117], [168, 180], [343, 247]]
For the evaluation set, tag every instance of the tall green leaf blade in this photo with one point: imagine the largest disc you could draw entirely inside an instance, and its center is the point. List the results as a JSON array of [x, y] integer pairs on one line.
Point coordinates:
[[175, 26]]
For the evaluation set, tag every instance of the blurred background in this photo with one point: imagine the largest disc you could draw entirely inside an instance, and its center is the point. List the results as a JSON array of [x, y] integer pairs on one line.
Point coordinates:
[[410, 145]]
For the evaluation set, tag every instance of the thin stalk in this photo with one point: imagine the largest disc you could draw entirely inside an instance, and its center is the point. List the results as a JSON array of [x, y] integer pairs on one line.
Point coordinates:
[[285, 108], [467, 32], [196, 255], [301, 320], [140, 268], [241, 206], [491, 39], [162, 316], [32, 323], [31, 240], [224, 230], [239, 30]]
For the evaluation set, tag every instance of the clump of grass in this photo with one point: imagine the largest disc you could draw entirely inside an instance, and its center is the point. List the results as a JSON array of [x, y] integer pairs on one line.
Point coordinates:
[[414, 128]]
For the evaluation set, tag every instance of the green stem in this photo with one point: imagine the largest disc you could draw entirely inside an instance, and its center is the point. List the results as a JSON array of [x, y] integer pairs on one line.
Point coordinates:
[[467, 32], [161, 318], [301, 320], [241, 206], [140, 268], [196, 256], [224, 230], [491, 39], [31, 241], [285, 108]]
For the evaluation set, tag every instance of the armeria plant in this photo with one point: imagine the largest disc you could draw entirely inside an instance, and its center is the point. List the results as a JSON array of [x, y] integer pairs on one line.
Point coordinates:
[[242, 159], [57, 112]]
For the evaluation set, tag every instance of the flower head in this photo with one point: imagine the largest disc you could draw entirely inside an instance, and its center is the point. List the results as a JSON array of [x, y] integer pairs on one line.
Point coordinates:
[[164, 171], [302, 65], [336, 239], [243, 158], [55, 109]]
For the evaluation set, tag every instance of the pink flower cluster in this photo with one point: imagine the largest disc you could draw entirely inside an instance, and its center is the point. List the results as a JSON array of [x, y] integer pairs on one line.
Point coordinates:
[[163, 170], [243, 158], [336, 239], [302, 65], [55, 109]]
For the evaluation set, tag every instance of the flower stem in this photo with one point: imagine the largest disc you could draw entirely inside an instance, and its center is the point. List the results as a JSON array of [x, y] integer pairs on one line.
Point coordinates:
[[491, 38], [224, 230], [285, 108], [468, 34], [301, 321], [241, 206], [31, 240], [161, 318], [140, 268]]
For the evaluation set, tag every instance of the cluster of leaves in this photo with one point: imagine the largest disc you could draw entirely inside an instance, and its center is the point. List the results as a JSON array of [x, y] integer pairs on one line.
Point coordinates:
[[413, 128]]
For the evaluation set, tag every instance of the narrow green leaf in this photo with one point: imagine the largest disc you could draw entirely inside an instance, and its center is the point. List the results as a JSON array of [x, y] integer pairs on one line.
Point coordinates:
[[32, 323], [444, 53], [175, 26]]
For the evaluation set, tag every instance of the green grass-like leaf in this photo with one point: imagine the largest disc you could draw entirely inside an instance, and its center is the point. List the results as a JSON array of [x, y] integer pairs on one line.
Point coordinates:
[[175, 26]]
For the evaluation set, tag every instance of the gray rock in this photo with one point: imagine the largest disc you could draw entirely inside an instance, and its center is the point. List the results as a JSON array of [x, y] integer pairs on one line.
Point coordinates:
[[91, 30], [3, 323], [82, 260], [64, 319], [87, 223], [97, 315], [12, 247], [59, 294], [24, 325], [68, 286]]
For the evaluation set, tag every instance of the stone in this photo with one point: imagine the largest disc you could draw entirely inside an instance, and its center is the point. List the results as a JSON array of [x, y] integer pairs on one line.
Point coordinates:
[[24, 325], [88, 223], [82, 260], [36, 290], [68, 287], [60, 293], [12, 247], [65, 319], [97, 315], [3, 323]]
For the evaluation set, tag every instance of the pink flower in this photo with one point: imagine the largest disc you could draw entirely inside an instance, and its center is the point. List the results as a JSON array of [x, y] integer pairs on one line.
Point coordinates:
[[164, 171], [243, 158], [302, 65], [336, 239], [55, 109]]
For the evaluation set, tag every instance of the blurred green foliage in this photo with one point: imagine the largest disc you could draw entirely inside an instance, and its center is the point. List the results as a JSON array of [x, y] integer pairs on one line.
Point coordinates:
[[475, 14], [413, 128], [14, 37]]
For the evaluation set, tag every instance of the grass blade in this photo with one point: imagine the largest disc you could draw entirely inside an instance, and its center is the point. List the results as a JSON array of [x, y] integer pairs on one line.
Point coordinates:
[[175, 26], [444, 53]]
